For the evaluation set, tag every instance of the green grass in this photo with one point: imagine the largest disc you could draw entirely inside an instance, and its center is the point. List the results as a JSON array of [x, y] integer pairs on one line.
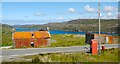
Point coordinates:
[[66, 40], [110, 55], [60, 40], [6, 39], [6, 33]]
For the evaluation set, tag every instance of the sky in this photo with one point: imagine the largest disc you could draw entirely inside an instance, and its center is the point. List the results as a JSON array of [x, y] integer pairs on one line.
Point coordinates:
[[59, 0], [45, 12]]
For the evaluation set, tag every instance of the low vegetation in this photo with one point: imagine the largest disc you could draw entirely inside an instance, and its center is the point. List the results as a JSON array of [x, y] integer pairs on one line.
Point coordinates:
[[66, 40], [6, 35], [109, 55]]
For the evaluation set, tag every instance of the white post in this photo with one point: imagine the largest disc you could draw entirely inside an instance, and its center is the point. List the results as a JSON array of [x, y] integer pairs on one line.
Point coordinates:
[[13, 44], [99, 27], [48, 28]]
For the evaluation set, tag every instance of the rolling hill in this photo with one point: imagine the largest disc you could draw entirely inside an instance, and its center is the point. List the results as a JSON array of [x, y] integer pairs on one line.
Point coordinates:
[[81, 25], [6, 34], [73, 25]]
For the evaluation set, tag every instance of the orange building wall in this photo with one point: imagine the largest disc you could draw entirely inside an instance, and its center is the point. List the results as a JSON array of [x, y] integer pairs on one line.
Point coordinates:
[[110, 39], [40, 42], [22, 39], [22, 43]]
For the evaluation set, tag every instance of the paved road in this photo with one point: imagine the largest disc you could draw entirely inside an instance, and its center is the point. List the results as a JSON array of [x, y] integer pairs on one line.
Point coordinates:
[[8, 53]]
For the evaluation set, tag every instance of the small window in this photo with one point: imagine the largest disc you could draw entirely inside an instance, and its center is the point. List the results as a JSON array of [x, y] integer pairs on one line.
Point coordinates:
[[32, 34]]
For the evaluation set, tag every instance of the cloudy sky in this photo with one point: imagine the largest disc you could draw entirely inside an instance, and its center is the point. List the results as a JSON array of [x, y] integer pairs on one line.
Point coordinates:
[[45, 12]]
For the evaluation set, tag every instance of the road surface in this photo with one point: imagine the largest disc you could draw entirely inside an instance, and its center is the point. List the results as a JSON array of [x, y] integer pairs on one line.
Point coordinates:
[[8, 53]]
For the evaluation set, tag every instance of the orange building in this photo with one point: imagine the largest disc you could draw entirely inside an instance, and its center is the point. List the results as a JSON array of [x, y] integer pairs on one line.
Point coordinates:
[[31, 39], [104, 38]]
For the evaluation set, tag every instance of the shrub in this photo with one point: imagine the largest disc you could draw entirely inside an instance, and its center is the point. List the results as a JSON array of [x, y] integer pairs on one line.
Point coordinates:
[[35, 60]]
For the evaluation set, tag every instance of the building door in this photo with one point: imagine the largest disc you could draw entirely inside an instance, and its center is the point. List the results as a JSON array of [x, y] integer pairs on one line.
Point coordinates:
[[32, 44]]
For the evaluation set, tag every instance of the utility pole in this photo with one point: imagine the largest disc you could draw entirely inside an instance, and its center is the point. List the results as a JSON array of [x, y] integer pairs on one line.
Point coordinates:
[[13, 44], [99, 27]]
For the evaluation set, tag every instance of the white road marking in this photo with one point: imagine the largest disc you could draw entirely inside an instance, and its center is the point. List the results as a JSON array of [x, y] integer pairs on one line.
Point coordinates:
[[10, 57], [28, 54], [14, 55], [31, 54], [1, 56], [36, 53]]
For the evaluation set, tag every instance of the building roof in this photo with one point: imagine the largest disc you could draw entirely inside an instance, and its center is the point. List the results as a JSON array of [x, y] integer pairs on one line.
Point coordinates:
[[41, 34], [22, 35], [36, 34]]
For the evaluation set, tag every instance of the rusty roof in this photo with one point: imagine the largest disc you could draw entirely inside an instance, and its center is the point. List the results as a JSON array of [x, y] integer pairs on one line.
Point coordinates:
[[36, 34]]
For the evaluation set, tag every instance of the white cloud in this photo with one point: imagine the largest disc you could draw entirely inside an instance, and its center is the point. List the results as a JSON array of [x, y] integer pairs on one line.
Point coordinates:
[[91, 17], [110, 8], [71, 10], [104, 17], [61, 18], [118, 13], [60, 13], [101, 14], [39, 14], [109, 14], [88, 8], [26, 16]]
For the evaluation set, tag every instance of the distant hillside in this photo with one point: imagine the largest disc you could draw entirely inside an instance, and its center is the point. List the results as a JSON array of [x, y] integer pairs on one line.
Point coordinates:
[[73, 25], [81, 25], [6, 34]]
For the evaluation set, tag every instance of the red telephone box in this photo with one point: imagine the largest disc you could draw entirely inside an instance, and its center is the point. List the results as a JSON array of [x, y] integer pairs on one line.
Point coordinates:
[[94, 46]]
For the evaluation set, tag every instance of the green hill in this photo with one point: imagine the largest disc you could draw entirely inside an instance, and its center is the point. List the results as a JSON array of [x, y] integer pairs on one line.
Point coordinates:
[[73, 25], [81, 25], [6, 35]]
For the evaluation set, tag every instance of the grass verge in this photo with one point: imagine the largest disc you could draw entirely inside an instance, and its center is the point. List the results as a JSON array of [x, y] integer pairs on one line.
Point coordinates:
[[66, 40], [109, 55]]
